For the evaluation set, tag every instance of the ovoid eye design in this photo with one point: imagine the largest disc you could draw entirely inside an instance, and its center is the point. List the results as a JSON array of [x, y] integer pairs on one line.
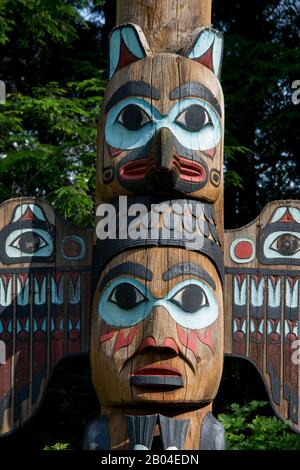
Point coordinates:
[[194, 118], [29, 242], [286, 244], [126, 296], [133, 117], [190, 298]]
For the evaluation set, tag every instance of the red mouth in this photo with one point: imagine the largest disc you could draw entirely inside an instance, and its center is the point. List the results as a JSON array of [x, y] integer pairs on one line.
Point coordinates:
[[188, 170], [157, 370]]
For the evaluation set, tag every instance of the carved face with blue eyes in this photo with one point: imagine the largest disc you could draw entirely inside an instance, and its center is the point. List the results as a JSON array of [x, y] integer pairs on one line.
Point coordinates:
[[163, 132], [157, 328]]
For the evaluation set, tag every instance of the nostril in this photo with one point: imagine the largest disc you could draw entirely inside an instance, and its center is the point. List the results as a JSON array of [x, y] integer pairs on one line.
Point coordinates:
[[170, 343], [147, 343]]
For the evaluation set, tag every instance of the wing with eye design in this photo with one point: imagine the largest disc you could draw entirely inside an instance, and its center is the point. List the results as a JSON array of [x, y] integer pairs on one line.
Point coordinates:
[[262, 263], [45, 266]]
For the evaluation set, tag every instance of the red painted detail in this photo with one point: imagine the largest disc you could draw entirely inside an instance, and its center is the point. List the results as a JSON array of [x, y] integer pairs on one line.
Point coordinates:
[[74, 335], [126, 57], [240, 278], [28, 215], [287, 217], [6, 336], [22, 336], [207, 58], [71, 248], [239, 336], [5, 279], [39, 335], [243, 250], [256, 337], [106, 337], [40, 277], [210, 153], [291, 337], [125, 338], [187, 170], [114, 152], [57, 276], [273, 280], [148, 342], [170, 343], [157, 370], [187, 339], [292, 281], [57, 334], [74, 278], [206, 339], [256, 278], [23, 278], [274, 337]]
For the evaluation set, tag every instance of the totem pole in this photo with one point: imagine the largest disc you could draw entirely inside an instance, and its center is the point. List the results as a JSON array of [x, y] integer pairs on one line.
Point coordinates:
[[157, 316], [144, 296]]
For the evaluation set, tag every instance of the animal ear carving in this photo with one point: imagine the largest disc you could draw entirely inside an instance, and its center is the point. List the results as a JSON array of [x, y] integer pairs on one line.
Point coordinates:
[[127, 44], [206, 48]]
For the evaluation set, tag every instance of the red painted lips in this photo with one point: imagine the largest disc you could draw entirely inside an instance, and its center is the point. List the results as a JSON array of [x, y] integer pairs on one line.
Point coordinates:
[[157, 370], [187, 170]]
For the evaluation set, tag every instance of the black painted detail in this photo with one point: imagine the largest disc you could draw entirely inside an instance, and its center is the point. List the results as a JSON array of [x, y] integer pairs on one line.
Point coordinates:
[[212, 434], [140, 430], [286, 244], [183, 269], [173, 431], [133, 88], [275, 383], [159, 381], [193, 89]]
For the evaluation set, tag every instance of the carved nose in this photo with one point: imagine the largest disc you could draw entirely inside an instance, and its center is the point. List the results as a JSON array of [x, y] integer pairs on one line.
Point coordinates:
[[164, 148], [168, 346]]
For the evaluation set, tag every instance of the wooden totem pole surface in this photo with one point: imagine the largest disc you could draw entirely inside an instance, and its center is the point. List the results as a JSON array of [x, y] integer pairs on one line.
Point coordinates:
[[144, 295]]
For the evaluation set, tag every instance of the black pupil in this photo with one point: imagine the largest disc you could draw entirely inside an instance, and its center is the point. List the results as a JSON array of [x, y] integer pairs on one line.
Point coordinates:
[[288, 245], [132, 117], [126, 296], [195, 117], [192, 298], [29, 242]]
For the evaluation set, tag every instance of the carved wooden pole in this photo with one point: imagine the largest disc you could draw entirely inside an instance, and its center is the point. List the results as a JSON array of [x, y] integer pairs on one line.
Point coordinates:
[[157, 318]]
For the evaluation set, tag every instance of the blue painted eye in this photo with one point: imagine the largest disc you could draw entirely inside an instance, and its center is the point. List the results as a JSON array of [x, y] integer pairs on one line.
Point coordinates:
[[190, 298], [126, 296], [133, 117], [29, 242], [194, 118]]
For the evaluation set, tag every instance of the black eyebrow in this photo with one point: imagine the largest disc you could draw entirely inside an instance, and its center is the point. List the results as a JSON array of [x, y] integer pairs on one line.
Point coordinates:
[[188, 268], [134, 269], [196, 89], [136, 88]]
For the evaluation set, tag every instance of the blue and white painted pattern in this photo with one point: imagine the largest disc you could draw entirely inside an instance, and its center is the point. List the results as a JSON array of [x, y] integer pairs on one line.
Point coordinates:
[[117, 136], [257, 292], [112, 314], [6, 293], [271, 251], [14, 251], [209, 38], [274, 293], [240, 292], [291, 294], [34, 208]]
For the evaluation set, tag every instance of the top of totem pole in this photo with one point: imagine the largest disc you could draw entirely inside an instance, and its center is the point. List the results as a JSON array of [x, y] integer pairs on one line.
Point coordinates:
[[167, 24]]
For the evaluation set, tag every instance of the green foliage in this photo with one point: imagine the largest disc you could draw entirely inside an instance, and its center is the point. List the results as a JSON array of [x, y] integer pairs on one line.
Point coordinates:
[[246, 429], [58, 446]]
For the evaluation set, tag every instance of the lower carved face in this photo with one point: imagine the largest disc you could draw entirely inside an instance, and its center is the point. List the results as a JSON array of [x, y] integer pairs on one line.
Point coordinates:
[[157, 329]]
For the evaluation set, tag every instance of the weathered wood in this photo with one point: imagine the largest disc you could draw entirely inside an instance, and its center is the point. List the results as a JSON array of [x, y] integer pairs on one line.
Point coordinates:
[[45, 265], [263, 307], [167, 24]]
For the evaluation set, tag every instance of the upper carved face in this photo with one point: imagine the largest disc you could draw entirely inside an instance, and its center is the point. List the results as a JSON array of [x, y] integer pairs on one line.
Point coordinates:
[[157, 329], [163, 121]]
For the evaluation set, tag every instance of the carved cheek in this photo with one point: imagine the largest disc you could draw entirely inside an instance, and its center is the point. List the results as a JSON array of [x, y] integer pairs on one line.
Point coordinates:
[[192, 339], [120, 337]]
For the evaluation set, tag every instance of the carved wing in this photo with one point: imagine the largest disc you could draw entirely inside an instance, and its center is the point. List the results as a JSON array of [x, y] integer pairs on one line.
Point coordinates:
[[262, 313], [45, 269]]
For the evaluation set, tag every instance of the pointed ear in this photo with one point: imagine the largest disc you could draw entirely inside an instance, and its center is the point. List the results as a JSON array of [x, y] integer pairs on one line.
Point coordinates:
[[127, 44], [206, 48]]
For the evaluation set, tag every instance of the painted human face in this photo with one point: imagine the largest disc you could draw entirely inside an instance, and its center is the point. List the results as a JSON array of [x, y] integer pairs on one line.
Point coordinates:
[[157, 329], [162, 130]]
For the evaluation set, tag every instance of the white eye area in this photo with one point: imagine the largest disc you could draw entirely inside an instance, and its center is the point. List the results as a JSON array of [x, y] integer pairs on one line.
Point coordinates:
[[190, 298], [194, 118], [29, 242], [126, 296], [133, 117]]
